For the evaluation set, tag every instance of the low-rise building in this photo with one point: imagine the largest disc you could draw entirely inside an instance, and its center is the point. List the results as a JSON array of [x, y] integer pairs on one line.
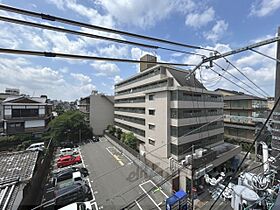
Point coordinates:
[[169, 112], [25, 114], [99, 111], [242, 113], [16, 177]]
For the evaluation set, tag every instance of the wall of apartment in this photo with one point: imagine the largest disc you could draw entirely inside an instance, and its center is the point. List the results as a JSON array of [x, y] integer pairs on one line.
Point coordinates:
[[101, 113]]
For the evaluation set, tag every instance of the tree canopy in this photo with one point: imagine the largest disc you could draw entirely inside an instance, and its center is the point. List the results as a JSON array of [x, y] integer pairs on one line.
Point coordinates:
[[68, 127]]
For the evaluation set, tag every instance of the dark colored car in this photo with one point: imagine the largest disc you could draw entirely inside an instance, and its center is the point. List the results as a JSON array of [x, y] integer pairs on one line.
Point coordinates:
[[77, 192], [67, 173], [68, 160]]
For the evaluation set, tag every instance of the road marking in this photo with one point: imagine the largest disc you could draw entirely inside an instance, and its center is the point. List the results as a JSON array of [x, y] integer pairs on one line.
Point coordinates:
[[145, 182], [159, 188], [149, 196], [93, 197], [138, 205], [119, 160], [107, 148], [130, 161]]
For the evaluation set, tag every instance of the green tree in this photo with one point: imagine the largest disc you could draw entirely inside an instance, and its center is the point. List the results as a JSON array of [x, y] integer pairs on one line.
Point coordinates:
[[131, 140], [68, 127], [118, 133], [123, 137], [112, 129]]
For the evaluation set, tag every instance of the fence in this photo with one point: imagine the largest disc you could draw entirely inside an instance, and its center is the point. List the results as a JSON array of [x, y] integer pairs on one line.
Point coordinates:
[[156, 173]]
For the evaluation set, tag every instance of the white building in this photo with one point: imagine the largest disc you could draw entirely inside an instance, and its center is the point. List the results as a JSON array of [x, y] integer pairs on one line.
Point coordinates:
[[99, 111]]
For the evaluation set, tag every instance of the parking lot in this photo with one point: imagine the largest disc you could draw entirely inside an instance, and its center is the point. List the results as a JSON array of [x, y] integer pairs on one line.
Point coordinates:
[[115, 179]]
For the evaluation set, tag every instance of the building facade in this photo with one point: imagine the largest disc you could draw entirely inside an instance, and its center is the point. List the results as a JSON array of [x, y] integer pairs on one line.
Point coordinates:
[[276, 114], [8, 92], [24, 114], [169, 112], [242, 113], [99, 111]]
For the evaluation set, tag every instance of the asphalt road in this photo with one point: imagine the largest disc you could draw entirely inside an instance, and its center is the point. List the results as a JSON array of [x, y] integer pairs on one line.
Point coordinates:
[[116, 180]]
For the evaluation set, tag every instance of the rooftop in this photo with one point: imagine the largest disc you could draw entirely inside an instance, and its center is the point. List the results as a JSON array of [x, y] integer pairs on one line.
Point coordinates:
[[15, 170]]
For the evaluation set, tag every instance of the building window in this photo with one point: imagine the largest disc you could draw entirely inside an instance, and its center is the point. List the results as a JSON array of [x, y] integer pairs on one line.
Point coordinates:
[[152, 126], [151, 97], [152, 112], [152, 142]]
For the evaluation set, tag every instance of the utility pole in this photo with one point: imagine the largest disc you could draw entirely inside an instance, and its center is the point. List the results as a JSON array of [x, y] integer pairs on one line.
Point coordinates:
[[80, 135], [192, 176]]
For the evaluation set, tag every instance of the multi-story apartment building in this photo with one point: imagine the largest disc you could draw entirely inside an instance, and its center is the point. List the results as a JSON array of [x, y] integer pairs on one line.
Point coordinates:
[[242, 112], [24, 114], [99, 111], [169, 112]]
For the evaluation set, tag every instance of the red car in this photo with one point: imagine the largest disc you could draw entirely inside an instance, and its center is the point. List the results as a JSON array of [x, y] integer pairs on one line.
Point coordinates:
[[68, 160]]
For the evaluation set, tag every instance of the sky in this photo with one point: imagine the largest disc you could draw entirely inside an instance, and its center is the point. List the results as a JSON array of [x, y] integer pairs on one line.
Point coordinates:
[[214, 24]]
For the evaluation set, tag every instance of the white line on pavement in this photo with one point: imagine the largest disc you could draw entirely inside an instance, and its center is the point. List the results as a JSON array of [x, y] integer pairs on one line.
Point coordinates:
[[159, 188], [149, 197], [138, 205], [145, 182], [93, 197], [107, 148]]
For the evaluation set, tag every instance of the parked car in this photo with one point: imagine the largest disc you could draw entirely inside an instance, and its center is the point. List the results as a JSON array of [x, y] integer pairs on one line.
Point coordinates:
[[76, 192], [68, 173], [68, 160], [36, 147], [68, 151], [77, 206]]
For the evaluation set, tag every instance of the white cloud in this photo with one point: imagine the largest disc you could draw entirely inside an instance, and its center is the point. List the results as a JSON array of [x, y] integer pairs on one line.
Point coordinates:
[[39, 80], [199, 19], [143, 13], [84, 11], [217, 32], [114, 51], [263, 8], [137, 53], [83, 79], [117, 79], [105, 69]]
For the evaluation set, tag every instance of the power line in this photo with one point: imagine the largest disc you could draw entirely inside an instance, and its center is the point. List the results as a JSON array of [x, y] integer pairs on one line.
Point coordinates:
[[79, 33], [232, 52], [245, 76], [252, 145], [230, 81], [239, 79], [275, 59], [94, 27], [84, 57]]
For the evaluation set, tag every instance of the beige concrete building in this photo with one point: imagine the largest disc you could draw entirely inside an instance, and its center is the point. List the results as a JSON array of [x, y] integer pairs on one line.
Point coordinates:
[[242, 113], [169, 112], [99, 111]]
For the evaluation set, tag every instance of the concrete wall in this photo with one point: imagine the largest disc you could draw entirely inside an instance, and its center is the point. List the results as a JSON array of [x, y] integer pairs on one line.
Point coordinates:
[[101, 113]]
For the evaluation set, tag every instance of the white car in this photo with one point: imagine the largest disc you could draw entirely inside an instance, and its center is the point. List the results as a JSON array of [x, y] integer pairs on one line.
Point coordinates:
[[77, 206], [68, 151], [36, 147]]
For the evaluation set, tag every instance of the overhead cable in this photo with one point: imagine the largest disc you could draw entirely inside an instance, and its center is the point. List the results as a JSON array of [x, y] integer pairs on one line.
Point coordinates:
[[238, 79], [230, 81], [89, 35], [246, 76], [247, 153], [94, 27], [83, 57]]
